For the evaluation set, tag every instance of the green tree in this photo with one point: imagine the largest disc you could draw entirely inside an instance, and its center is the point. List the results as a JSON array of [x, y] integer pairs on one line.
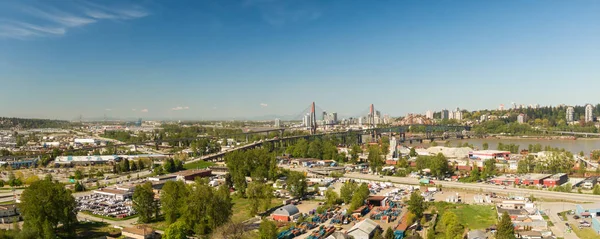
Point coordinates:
[[169, 166], [79, 187], [354, 153], [267, 230], [176, 230], [375, 160], [45, 205], [143, 202], [413, 152], [331, 197], [348, 190], [172, 199], [485, 146], [296, 182], [205, 209], [78, 174], [359, 197], [596, 190], [489, 169], [506, 229], [377, 234], [389, 233], [416, 204]]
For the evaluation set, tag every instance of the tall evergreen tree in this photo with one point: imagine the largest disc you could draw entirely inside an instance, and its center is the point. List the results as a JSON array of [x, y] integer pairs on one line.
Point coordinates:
[[506, 229]]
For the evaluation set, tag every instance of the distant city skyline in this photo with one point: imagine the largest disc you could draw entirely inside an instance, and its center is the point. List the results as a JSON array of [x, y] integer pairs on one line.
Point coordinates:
[[253, 59]]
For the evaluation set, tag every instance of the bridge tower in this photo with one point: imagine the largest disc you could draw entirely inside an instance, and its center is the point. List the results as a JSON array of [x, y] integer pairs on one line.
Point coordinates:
[[313, 119]]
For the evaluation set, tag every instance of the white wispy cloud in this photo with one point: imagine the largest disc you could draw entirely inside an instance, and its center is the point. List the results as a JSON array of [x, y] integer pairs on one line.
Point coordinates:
[[263, 105], [108, 109], [181, 108], [144, 110], [43, 21], [133, 110]]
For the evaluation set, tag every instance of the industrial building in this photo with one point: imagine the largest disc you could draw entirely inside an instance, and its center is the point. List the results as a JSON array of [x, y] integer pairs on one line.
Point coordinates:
[[18, 162], [192, 174], [527, 179], [556, 180], [9, 213], [286, 213], [490, 154], [364, 229]]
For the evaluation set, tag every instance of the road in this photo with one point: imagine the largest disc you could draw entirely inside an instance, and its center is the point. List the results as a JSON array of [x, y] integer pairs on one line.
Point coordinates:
[[551, 209], [124, 223], [486, 188]]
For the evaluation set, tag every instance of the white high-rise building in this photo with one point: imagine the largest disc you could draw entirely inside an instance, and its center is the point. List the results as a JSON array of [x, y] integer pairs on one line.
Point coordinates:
[[589, 113], [501, 107], [522, 118], [570, 114], [445, 114], [277, 123], [307, 122], [429, 114], [457, 114], [393, 146]]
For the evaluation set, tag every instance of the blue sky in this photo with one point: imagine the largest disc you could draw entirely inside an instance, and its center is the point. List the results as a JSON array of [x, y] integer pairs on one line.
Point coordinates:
[[224, 59]]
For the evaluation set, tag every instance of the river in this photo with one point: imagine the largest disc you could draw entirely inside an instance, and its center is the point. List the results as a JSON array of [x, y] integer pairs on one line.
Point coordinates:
[[574, 146]]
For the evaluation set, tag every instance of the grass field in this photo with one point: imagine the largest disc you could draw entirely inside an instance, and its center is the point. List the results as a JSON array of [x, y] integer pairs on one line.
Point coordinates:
[[471, 216], [198, 164], [94, 230], [241, 207], [476, 216], [585, 233], [109, 218]]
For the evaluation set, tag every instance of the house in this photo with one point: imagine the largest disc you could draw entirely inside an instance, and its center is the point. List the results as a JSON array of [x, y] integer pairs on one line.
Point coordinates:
[[530, 234], [477, 234], [192, 174], [364, 229], [286, 213], [139, 232]]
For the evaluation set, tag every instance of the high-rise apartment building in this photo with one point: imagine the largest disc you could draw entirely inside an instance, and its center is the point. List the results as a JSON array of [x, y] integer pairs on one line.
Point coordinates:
[[277, 123], [457, 114], [589, 113], [429, 114], [445, 114], [570, 114], [522, 118]]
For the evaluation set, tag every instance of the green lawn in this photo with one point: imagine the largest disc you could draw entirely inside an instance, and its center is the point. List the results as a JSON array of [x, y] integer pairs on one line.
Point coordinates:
[[476, 216], [109, 218], [198, 164], [95, 230], [241, 207], [471, 216], [585, 233]]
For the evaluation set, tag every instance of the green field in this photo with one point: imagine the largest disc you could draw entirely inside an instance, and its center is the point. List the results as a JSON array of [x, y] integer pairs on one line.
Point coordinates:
[[94, 229], [585, 233], [109, 218], [476, 216], [241, 207], [471, 216], [198, 164]]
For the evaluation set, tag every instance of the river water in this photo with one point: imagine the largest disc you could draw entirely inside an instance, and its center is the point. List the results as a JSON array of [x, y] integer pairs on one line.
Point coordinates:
[[575, 146]]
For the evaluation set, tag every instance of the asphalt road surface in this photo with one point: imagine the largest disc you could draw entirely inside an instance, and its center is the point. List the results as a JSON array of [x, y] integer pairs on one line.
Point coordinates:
[[486, 188]]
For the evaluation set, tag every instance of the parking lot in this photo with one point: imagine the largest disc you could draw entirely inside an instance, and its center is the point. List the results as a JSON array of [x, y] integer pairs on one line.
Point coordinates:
[[105, 206]]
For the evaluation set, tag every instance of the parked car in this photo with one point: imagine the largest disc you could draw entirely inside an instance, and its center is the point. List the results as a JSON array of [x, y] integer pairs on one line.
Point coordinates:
[[575, 217]]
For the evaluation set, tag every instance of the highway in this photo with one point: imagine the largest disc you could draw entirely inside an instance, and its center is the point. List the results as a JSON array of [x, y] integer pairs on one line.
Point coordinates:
[[487, 188]]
